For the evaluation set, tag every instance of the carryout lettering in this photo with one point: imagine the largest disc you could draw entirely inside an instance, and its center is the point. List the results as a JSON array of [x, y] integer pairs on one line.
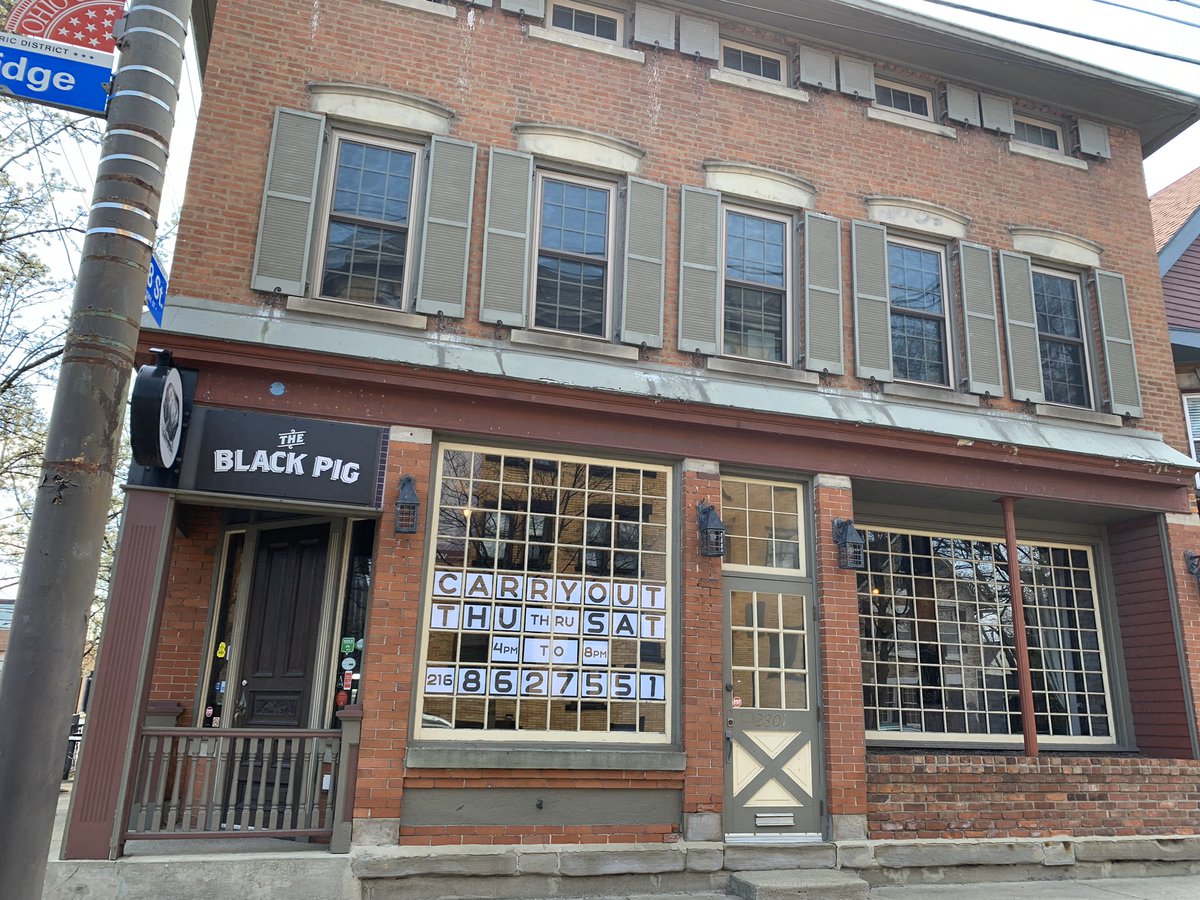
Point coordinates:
[[37, 78], [285, 462]]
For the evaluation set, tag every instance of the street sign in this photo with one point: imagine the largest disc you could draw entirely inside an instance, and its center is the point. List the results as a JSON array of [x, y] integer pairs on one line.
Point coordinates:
[[156, 290], [54, 74]]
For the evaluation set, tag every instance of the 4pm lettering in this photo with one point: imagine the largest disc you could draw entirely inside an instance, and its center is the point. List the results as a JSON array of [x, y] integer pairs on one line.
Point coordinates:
[[285, 462]]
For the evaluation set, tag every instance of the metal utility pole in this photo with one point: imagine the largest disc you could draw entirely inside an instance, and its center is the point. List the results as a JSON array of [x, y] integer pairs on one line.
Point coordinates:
[[42, 668]]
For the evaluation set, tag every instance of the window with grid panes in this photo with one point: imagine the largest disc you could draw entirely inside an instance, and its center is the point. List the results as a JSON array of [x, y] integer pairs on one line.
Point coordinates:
[[573, 271], [367, 230], [1040, 134], [590, 20], [904, 98], [757, 265], [753, 61], [939, 656], [1061, 338], [916, 274], [764, 525], [547, 610]]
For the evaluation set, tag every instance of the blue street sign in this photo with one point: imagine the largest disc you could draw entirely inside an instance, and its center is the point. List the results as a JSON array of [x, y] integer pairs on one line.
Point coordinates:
[[156, 290], [54, 74]]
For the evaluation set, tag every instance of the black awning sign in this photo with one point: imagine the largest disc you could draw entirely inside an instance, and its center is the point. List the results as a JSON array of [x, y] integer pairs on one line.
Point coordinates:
[[283, 456]]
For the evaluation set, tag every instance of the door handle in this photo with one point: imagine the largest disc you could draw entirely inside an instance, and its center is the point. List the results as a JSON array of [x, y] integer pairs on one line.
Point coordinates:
[[728, 746]]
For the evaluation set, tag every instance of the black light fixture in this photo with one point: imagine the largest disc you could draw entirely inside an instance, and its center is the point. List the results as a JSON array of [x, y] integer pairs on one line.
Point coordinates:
[[408, 506], [712, 530], [1191, 561], [850, 544]]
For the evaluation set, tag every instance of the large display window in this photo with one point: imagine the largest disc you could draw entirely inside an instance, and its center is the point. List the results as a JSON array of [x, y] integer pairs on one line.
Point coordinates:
[[547, 604]]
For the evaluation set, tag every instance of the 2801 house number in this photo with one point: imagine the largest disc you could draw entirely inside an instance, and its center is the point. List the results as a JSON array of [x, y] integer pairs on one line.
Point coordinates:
[[768, 720]]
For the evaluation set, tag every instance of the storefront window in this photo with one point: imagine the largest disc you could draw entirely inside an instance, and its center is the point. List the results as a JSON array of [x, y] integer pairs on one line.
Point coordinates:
[[547, 607], [348, 671], [938, 650]]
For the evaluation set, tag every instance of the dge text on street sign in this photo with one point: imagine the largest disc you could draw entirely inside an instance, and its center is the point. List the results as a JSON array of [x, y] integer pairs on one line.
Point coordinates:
[[54, 74]]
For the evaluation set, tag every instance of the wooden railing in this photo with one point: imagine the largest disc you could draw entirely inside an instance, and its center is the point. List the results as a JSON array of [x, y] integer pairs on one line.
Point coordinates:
[[228, 783]]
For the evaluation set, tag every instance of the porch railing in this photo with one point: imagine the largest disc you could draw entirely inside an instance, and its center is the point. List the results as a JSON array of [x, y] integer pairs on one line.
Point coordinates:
[[227, 783]]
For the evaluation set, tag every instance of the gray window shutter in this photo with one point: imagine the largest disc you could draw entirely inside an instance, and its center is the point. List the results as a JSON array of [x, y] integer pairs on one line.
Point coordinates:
[[286, 222], [1120, 364], [1093, 139], [699, 271], [645, 263], [446, 237], [699, 37], [823, 330], [857, 77], [533, 9], [504, 291], [962, 105], [653, 25], [872, 305], [997, 113], [1020, 327], [818, 68], [978, 286]]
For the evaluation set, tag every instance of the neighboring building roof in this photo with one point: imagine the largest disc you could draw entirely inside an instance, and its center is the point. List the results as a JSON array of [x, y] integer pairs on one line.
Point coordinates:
[[1171, 207]]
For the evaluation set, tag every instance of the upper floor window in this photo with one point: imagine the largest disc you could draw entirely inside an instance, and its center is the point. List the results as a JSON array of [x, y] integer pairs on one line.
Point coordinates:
[[757, 263], [574, 252], [367, 229], [916, 288], [1038, 133], [904, 98], [1061, 340], [753, 61], [605, 24]]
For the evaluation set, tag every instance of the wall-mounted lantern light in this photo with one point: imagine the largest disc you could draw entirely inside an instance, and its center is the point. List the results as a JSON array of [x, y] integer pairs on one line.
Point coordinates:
[[850, 544], [408, 506], [712, 530], [1191, 560]]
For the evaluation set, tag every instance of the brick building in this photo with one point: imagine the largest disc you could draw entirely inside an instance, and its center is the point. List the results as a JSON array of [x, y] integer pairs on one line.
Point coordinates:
[[878, 290]]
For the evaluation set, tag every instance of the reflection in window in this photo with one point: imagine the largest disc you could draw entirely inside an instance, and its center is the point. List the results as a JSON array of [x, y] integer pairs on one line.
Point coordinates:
[[936, 633], [768, 658], [366, 247], [1060, 338], [763, 524], [756, 264], [572, 258], [548, 609], [918, 313]]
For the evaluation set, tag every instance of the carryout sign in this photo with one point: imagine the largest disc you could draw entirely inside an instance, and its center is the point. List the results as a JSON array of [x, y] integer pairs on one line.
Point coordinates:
[[283, 457]]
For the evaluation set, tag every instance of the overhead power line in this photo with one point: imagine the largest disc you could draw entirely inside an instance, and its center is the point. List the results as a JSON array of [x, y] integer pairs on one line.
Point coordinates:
[[1188, 3], [1147, 12], [1065, 31]]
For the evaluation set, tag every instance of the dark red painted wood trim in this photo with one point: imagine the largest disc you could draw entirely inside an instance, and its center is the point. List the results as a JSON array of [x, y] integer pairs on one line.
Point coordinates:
[[125, 658]]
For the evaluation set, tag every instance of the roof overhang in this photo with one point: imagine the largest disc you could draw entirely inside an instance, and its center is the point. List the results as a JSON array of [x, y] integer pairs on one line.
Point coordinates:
[[995, 64], [1185, 346]]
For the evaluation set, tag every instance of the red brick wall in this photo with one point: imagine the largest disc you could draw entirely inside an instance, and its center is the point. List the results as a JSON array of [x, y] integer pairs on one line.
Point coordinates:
[[179, 654], [841, 662], [969, 796], [1156, 692], [481, 67]]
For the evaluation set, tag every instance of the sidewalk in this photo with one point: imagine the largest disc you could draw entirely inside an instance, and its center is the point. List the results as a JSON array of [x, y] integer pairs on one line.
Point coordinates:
[[1186, 887]]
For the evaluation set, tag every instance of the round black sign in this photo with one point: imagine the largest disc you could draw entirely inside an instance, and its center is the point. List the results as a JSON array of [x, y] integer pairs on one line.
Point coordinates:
[[156, 416]]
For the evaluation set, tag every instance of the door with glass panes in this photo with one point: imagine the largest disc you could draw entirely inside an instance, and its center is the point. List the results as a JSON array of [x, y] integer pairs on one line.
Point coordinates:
[[773, 784]]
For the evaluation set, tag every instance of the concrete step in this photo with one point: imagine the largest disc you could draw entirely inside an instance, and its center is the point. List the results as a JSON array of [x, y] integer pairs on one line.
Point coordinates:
[[798, 884]]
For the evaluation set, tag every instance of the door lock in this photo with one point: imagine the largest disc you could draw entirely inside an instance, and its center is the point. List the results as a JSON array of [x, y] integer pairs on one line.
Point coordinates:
[[729, 687]]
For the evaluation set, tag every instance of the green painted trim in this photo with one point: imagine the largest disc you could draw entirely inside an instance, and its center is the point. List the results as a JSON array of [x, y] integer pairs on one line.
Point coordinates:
[[510, 758], [533, 806]]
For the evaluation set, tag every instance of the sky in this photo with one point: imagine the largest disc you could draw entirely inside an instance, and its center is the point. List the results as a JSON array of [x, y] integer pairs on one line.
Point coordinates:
[[1105, 19]]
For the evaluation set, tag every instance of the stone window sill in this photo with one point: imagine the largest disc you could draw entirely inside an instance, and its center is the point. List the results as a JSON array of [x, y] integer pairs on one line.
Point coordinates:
[[1022, 149], [908, 391], [880, 114], [427, 6], [583, 42], [358, 312], [728, 366], [1074, 414], [763, 86], [477, 757], [574, 345]]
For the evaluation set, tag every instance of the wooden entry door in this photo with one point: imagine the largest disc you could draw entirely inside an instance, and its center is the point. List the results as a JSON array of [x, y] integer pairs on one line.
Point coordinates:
[[284, 615], [772, 770]]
